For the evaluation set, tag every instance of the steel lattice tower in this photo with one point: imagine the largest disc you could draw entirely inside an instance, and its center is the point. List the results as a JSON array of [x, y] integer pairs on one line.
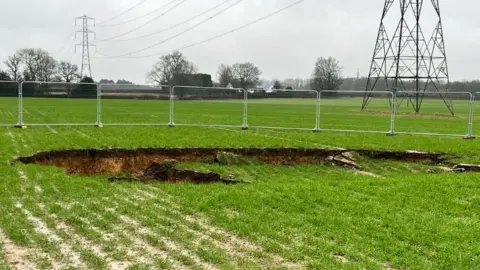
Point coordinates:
[[85, 43], [404, 59]]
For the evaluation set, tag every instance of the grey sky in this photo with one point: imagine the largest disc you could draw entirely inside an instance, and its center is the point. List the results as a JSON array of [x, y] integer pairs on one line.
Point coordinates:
[[283, 46]]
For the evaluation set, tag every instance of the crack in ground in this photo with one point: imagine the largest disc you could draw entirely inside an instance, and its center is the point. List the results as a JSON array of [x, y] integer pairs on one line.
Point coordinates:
[[160, 164]]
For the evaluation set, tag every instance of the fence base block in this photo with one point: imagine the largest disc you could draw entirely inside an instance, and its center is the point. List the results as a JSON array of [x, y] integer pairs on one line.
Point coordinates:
[[171, 125], [244, 128], [391, 134], [316, 130], [469, 137], [98, 125], [21, 126]]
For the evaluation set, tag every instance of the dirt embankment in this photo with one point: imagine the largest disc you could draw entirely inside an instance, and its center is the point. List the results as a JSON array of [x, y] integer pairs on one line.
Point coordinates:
[[160, 164], [136, 161]]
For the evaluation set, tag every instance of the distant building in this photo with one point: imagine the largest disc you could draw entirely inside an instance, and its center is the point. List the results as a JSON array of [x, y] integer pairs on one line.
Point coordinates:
[[271, 89], [256, 91]]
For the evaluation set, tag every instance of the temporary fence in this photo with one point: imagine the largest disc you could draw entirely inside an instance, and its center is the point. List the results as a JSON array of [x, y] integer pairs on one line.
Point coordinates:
[[129, 104], [208, 106], [8, 102], [57, 103], [476, 98], [391, 113], [436, 117], [271, 110], [340, 111]]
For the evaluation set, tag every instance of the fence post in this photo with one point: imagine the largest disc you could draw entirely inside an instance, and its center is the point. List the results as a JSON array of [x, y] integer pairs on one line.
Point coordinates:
[[20, 107], [470, 118], [245, 110], [171, 123], [393, 111], [317, 113], [99, 106]]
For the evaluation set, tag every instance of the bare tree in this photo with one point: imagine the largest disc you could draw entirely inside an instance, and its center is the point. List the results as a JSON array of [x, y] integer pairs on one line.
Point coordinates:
[[67, 71], [277, 85], [47, 67], [13, 64], [327, 74], [246, 75], [29, 58], [39, 65], [170, 69], [225, 75]]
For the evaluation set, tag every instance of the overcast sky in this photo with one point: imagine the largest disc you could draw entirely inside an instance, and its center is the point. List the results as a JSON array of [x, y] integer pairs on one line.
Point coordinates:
[[283, 46]]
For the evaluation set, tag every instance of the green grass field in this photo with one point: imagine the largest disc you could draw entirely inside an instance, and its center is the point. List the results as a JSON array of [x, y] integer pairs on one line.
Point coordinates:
[[337, 114], [302, 217]]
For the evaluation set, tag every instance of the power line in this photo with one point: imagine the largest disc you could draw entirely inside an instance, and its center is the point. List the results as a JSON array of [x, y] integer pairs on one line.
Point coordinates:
[[148, 22], [181, 33], [173, 26], [221, 35], [70, 38], [123, 13], [140, 17], [71, 56]]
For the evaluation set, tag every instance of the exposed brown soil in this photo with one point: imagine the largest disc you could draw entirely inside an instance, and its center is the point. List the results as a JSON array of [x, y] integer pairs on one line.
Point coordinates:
[[167, 172], [151, 164]]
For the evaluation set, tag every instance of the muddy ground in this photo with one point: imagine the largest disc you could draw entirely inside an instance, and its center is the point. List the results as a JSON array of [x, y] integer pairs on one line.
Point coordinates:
[[160, 164]]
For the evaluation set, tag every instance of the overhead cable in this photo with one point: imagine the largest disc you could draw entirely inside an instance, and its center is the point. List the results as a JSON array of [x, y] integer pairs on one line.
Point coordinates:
[[181, 33], [217, 36], [123, 13], [140, 17], [170, 27], [70, 37], [146, 23]]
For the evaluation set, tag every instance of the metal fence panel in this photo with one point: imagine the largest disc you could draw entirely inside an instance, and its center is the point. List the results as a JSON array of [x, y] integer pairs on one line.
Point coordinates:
[[434, 117], [473, 113], [60, 103], [341, 111], [284, 109], [9, 91], [57, 103], [129, 104], [208, 106]]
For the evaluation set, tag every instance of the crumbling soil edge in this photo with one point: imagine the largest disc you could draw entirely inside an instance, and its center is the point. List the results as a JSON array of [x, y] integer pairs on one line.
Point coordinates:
[[268, 155], [168, 172], [136, 161]]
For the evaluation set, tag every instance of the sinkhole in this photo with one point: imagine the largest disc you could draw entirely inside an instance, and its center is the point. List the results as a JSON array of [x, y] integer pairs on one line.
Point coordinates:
[[161, 164]]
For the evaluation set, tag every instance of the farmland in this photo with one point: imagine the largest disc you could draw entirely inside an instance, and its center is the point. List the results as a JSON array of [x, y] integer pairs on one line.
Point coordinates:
[[399, 216]]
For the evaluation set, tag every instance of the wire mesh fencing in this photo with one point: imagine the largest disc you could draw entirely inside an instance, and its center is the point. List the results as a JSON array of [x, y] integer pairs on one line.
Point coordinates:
[[57, 103], [208, 106], [284, 109], [341, 111], [474, 112], [129, 104], [61, 103], [9, 91], [435, 116]]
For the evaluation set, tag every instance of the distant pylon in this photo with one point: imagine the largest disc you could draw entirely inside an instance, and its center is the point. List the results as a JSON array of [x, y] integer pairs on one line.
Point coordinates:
[[404, 59], [85, 43]]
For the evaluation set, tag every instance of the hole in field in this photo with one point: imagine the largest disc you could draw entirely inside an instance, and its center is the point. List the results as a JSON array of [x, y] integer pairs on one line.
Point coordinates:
[[161, 164]]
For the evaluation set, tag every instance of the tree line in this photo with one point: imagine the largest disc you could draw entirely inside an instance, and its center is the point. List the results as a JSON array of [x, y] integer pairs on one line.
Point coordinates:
[[32, 64], [176, 69], [35, 64]]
